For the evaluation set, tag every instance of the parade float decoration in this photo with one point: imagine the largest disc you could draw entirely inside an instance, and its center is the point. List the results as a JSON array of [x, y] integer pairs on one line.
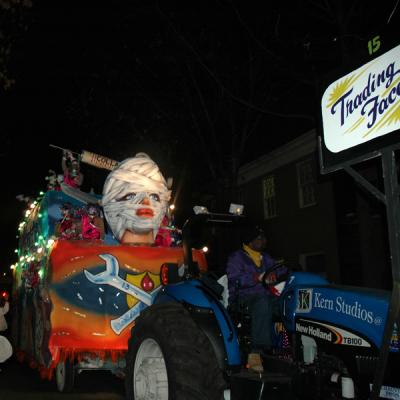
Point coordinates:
[[88, 265]]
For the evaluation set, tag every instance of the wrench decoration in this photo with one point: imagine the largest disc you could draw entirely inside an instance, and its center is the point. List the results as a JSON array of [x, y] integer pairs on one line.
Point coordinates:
[[119, 324], [111, 277]]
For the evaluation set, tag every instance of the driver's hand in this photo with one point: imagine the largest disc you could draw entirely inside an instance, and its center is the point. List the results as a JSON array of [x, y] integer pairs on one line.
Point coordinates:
[[270, 278], [261, 277]]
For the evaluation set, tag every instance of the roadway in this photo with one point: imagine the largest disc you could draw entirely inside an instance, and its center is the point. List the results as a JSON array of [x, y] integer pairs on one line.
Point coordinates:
[[19, 382]]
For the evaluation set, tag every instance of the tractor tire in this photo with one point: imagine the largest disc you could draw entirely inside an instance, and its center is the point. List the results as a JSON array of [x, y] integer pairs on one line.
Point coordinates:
[[65, 376], [170, 358]]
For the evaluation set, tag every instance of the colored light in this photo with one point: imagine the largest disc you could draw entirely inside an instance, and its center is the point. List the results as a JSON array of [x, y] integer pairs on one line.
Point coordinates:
[[164, 274]]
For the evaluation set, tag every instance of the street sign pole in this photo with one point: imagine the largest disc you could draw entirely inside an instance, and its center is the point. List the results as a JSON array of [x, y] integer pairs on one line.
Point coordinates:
[[361, 122]]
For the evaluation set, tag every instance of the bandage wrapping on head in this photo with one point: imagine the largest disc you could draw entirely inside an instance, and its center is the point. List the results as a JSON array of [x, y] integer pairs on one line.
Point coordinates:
[[140, 177]]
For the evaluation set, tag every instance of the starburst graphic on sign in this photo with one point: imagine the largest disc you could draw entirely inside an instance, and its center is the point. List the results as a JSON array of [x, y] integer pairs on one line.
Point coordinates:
[[342, 87], [394, 83], [339, 89], [355, 125], [392, 117]]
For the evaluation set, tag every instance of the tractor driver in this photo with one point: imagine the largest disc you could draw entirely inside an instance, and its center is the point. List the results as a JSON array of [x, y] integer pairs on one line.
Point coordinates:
[[246, 270]]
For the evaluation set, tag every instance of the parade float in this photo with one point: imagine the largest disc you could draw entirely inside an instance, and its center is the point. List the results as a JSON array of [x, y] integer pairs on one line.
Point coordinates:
[[86, 268]]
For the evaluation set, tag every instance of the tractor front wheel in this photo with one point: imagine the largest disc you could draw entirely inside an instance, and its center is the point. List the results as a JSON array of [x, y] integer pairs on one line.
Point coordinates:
[[170, 358]]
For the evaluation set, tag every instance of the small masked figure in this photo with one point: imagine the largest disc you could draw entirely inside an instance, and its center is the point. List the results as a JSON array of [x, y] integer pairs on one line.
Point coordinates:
[[92, 224], [53, 183], [71, 169], [67, 228], [163, 237]]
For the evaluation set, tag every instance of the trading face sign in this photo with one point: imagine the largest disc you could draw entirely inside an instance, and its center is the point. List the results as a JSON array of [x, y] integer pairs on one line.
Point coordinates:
[[364, 104]]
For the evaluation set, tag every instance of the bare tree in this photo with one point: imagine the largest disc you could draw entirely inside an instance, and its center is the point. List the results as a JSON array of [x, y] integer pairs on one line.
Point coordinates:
[[221, 81]]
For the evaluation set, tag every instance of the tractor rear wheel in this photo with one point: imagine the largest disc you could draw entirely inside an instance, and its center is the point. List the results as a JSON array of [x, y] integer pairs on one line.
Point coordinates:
[[170, 358]]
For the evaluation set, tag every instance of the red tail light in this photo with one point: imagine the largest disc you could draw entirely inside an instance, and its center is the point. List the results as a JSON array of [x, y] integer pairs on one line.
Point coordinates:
[[164, 274]]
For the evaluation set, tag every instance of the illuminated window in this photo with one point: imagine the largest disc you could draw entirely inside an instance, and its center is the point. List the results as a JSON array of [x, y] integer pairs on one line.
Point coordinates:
[[269, 197], [306, 183]]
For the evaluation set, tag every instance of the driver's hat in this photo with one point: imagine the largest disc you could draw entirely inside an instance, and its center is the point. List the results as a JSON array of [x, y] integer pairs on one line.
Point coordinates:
[[251, 233]]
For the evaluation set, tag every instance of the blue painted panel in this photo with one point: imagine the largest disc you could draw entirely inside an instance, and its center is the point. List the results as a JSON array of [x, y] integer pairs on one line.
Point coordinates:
[[190, 292], [358, 310]]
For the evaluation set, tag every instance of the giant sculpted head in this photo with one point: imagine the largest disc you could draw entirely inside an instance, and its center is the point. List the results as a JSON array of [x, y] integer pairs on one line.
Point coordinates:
[[135, 198]]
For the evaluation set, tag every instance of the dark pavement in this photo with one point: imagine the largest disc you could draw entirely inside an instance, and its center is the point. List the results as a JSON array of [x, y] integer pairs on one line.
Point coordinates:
[[18, 381]]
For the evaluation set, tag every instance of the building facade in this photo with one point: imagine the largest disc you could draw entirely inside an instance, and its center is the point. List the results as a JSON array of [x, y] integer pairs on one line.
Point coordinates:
[[285, 191], [318, 223]]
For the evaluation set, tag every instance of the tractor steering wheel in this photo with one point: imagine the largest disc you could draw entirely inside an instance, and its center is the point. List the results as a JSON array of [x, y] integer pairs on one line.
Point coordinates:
[[271, 278]]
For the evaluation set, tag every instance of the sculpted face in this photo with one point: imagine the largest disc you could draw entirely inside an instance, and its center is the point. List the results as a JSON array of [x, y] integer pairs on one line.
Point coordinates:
[[135, 198]]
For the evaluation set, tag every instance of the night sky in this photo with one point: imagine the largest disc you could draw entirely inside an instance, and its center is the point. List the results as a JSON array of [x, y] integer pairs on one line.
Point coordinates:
[[181, 80]]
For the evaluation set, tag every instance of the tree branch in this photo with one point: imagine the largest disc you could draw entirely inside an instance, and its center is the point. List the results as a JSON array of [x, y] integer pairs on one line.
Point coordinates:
[[222, 86]]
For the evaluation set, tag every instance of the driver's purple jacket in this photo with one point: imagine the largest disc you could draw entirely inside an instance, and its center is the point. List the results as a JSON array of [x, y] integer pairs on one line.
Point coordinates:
[[243, 274]]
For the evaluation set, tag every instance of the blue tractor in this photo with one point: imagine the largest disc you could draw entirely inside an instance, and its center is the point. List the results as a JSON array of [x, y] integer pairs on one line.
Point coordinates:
[[343, 341], [189, 345]]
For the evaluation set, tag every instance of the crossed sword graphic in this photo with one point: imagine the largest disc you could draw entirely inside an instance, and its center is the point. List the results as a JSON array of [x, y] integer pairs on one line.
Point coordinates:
[[111, 277]]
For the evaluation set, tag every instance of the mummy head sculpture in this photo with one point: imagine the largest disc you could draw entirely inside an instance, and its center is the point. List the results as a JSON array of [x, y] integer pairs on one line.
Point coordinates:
[[135, 197]]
